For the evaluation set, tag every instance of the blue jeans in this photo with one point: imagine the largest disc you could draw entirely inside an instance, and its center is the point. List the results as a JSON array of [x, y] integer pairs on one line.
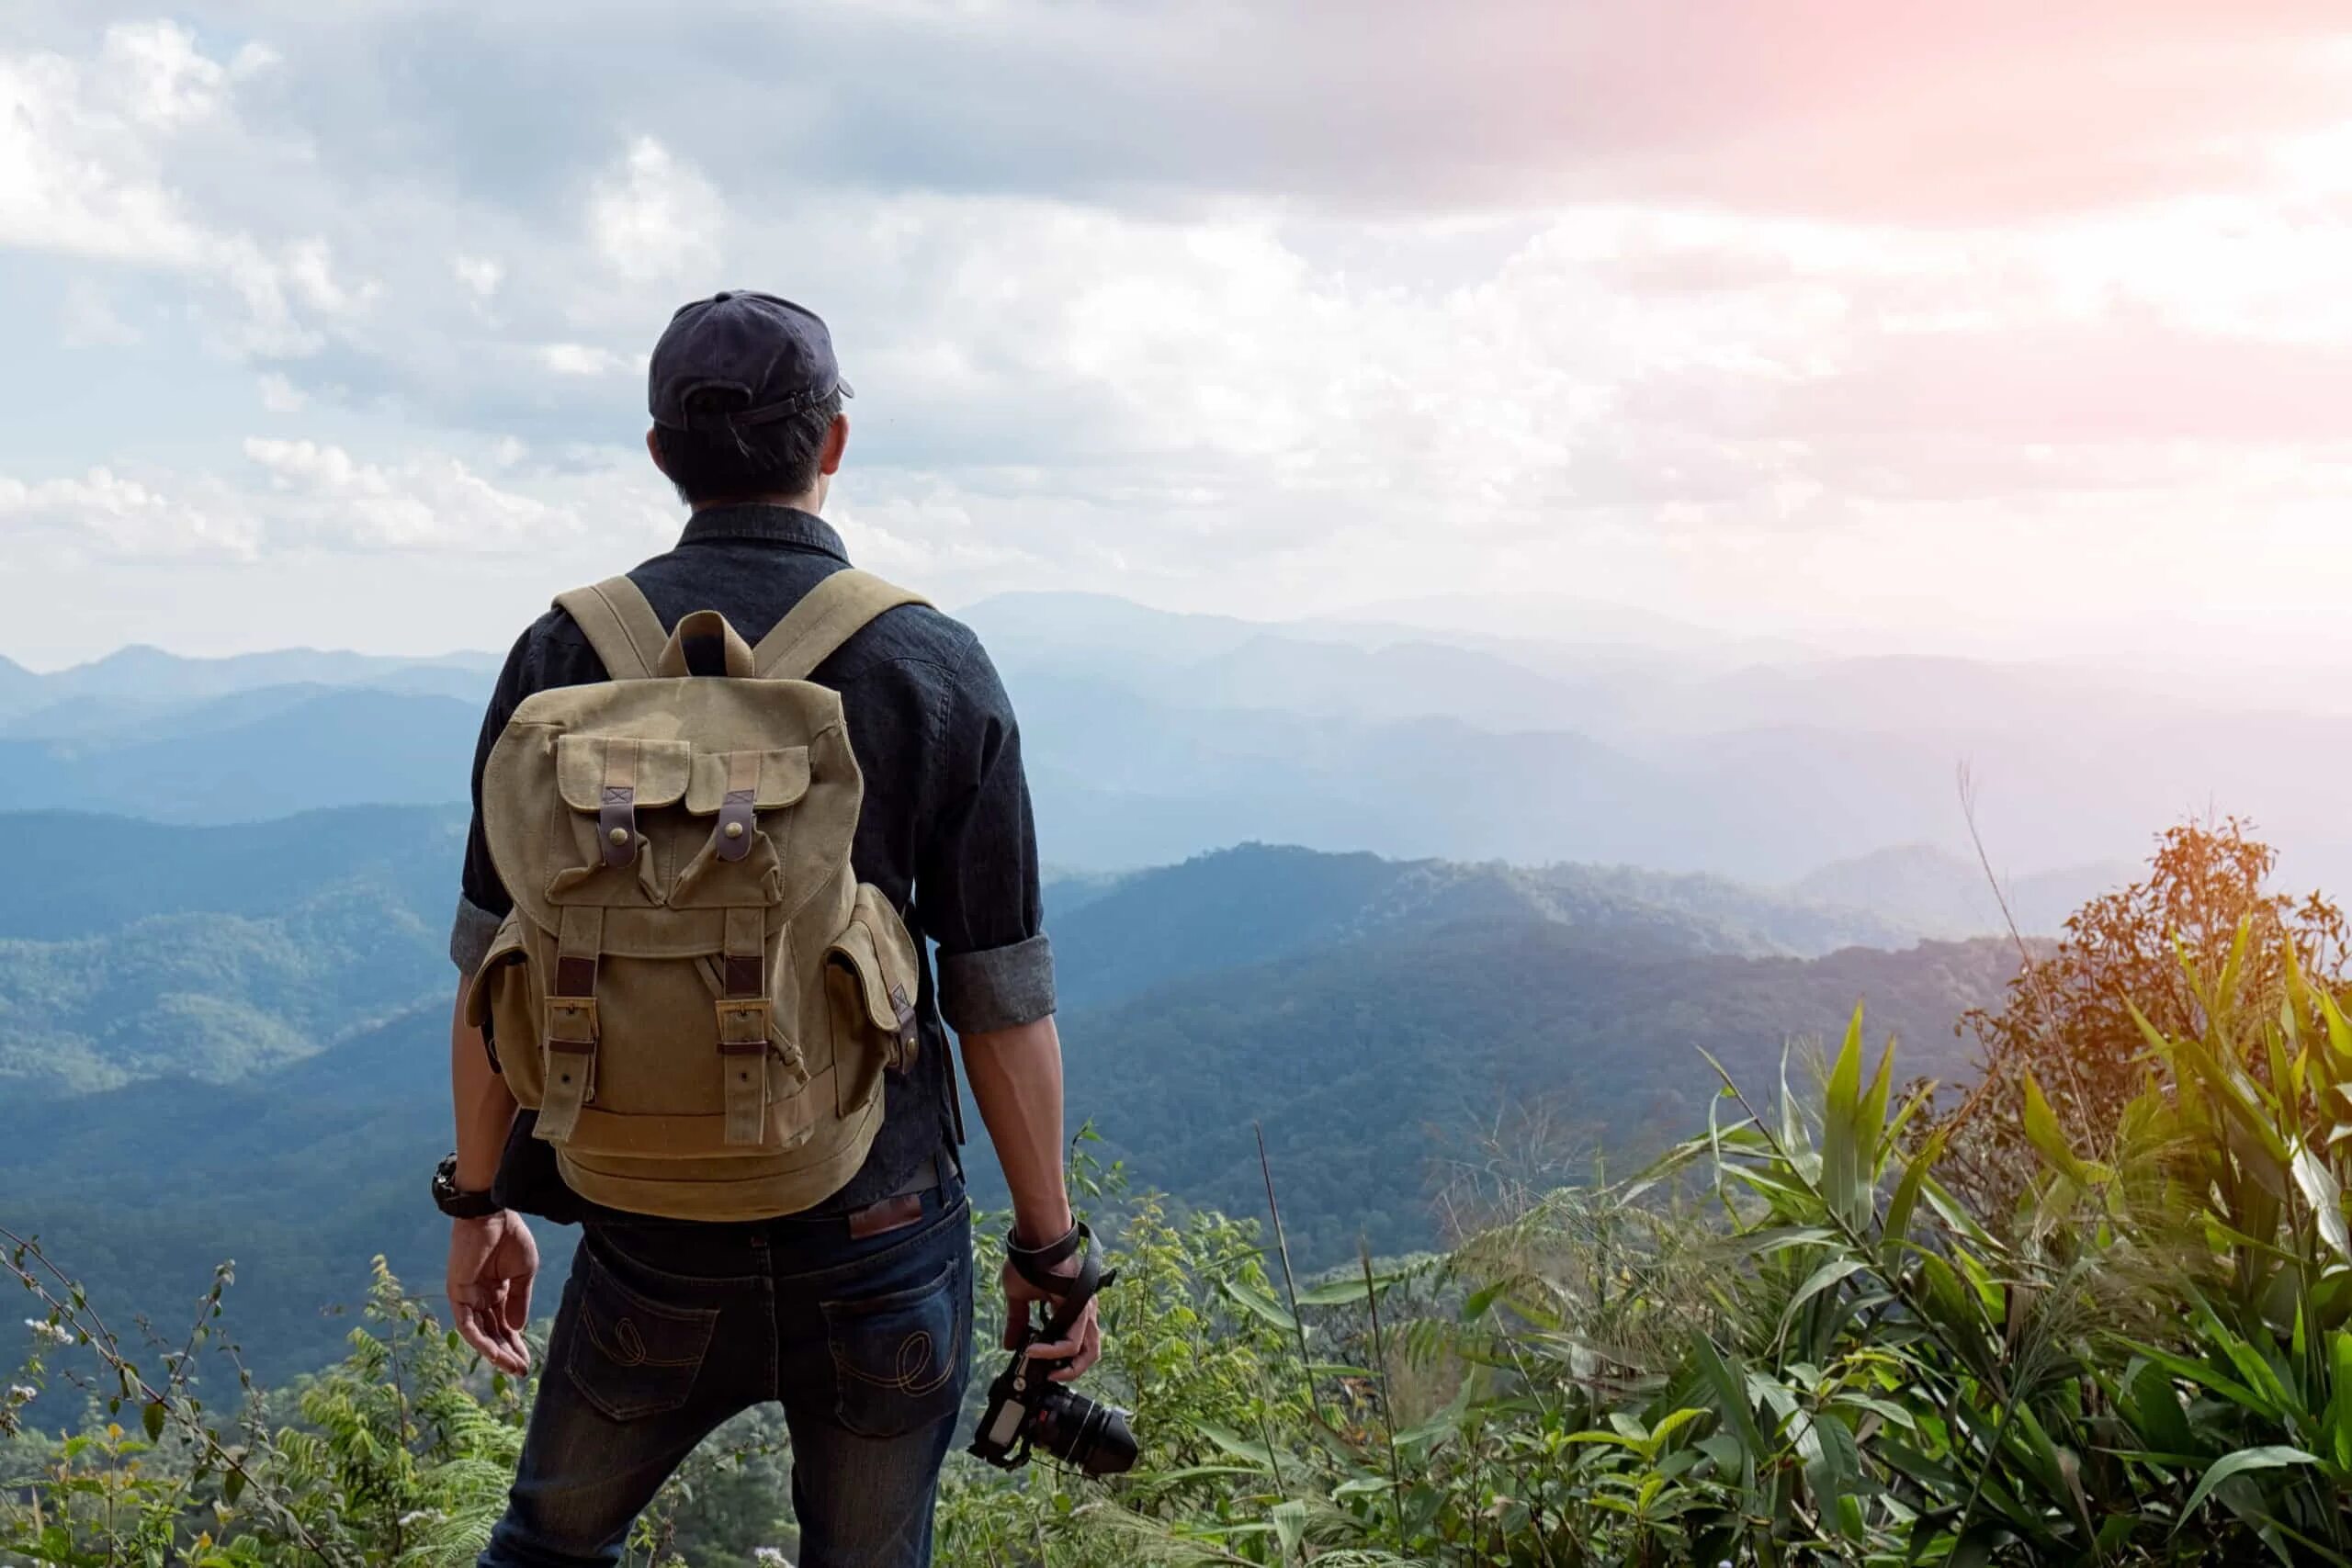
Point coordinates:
[[666, 1332]]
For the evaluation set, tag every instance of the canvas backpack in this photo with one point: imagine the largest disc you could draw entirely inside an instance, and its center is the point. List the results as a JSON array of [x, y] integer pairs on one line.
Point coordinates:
[[694, 991]]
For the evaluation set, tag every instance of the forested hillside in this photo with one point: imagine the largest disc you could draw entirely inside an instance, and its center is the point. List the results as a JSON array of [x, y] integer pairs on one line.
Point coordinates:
[[231, 1041], [130, 950]]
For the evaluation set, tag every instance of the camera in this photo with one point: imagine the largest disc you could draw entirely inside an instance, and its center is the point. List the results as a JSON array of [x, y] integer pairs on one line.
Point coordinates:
[[1026, 1408]]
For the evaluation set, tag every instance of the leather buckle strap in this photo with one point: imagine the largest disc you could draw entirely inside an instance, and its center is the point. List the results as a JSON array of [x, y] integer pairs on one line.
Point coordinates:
[[737, 815], [745, 1019], [616, 809], [571, 1024]]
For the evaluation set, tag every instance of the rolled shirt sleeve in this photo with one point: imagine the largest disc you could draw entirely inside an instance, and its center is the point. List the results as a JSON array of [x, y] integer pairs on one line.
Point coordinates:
[[471, 935], [997, 987], [977, 883]]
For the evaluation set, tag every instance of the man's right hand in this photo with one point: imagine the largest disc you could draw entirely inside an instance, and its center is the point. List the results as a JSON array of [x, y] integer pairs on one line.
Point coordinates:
[[492, 1262], [1025, 1306]]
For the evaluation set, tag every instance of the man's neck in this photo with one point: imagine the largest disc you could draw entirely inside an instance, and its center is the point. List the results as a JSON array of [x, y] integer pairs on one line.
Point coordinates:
[[806, 501]]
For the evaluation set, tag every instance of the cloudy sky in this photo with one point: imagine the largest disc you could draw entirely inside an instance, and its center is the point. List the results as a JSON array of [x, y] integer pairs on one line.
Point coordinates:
[[2016, 327]]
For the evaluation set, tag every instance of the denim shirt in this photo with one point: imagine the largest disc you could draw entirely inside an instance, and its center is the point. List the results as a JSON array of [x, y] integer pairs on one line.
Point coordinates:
[[945, 830]]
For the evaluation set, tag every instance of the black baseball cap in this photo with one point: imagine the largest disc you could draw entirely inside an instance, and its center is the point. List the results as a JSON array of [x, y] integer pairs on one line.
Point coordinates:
[[776, 357]]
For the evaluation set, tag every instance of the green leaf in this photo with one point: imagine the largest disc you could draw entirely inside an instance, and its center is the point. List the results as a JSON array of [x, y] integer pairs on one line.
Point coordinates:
[[1731, 1395], [1237, 1446], [1290, 1525], [2339, 1034], [1333, 1292], [2326, 1199], [2339, 1407], [1820, 1279], [153, 1420], [2200, 1374], [1663, 1433], [1781, 1238], [2042, 1131], [1897, 1227], [1841, 1154], [2274, 1457], [1259, 1304], [1870, 1117], [2154, 1410]]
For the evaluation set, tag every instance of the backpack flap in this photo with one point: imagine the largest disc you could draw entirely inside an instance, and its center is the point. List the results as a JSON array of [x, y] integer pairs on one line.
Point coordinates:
[[606, 780], [735, 786]]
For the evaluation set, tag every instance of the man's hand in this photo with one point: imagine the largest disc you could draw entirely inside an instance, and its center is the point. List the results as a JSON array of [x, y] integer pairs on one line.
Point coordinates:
[[1079, 1351], [491, 1264]]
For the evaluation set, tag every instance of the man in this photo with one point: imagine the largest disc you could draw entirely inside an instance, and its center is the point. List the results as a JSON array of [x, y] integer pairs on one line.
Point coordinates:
[[855, 1313]]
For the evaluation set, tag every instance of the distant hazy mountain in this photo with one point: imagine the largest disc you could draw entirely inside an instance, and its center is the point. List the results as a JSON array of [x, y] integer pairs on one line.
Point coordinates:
[[140, 680], [17, 685], [74, 874], [1944, 895], [1255, 903], [1152, 737], [255, 755], [1571, 622], [144, 672]]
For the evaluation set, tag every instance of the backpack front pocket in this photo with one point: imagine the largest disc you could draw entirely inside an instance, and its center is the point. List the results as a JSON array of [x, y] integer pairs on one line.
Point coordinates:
[[875, 956], [502, 1002]]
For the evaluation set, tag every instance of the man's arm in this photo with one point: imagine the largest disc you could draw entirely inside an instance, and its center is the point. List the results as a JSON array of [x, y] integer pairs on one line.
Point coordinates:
[[976, 888], [491, 1260], [1016, 1078], [485, 1106]]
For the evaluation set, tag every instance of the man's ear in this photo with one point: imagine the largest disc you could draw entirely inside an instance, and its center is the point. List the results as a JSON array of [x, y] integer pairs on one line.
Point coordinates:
[[828, 461], [653, 448]]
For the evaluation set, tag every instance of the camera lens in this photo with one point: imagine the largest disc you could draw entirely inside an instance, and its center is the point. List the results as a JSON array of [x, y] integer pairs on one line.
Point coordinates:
[[1092, 1439]]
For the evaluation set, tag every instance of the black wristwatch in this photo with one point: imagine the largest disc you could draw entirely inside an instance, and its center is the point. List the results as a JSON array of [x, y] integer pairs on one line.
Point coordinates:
[[459, 1205]]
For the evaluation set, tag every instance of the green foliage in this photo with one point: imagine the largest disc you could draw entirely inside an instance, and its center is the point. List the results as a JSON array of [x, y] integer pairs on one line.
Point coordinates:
[[1789, 1341]]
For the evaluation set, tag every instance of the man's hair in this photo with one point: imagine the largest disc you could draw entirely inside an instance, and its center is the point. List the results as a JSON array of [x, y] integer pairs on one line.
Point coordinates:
[[769, 459]]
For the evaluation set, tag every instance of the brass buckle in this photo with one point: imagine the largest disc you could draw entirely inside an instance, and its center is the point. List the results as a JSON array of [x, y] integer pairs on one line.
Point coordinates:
[[743, 1023]]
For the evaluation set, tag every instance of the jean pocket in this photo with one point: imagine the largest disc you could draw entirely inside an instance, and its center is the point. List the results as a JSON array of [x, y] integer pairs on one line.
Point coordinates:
[[898, 1358], [632, 1357]]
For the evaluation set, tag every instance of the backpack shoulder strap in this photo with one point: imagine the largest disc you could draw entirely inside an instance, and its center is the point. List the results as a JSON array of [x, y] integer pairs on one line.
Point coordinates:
[[831, 613], [621, 626]]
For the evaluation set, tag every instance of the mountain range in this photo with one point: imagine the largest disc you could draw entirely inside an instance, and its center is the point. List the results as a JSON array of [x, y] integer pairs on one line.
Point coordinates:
[[230, 1041], [1151, 737]]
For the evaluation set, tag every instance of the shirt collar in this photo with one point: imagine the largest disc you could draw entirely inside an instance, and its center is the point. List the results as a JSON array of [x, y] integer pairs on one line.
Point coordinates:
[[786, 525]]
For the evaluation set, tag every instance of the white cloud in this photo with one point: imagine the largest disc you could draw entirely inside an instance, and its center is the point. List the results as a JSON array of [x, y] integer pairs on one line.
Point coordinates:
[[159, 77], [653, 217], [579, 359], [1204, 360], [109, 514], [279, 395], [480, 274], [429, 502], [92, 160], [302, 495]]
